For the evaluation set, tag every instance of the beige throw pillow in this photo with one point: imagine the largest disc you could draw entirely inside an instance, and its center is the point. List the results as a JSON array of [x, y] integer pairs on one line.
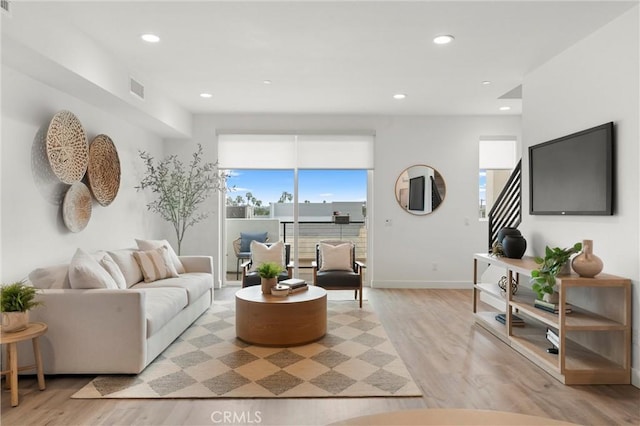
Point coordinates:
[[154, 244], [85, 272], [261, 253], [155, 264], [335, 258]]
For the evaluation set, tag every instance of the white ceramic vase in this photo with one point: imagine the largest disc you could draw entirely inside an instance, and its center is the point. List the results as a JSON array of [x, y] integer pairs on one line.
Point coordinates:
[[551, 298], [14, 321]]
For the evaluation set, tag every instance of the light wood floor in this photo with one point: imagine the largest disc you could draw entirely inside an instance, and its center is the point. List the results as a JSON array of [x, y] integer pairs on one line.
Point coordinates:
[[454, 362]]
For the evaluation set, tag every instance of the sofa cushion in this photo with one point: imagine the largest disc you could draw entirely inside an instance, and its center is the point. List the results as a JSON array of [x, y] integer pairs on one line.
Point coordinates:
[[56, 276], [85, 272], [128, 265], [155, 264], [154, 244], [194, 283], [336, 279], [162, 305]]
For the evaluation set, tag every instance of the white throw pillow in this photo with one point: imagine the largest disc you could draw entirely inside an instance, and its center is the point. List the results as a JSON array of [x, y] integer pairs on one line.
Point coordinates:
[[155, 264], [56, 276], [86, 272], [128, 265], [335, 258], [154, 244], [112, 268], [261, 253]]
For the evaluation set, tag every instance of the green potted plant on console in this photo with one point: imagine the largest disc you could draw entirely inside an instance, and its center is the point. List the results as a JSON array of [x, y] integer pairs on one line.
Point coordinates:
[[15, 301], [268, 272], [543, 279]]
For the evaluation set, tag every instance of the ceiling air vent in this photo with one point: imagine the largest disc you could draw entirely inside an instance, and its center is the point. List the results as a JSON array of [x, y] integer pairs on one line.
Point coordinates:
[[136, 88], [4, 5]]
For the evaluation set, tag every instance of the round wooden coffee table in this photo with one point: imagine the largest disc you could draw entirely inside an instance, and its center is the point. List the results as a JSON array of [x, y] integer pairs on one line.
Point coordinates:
[[267, 320]]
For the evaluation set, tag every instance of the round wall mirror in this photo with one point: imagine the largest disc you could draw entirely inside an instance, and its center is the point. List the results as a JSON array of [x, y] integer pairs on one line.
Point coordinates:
[[420, 189]]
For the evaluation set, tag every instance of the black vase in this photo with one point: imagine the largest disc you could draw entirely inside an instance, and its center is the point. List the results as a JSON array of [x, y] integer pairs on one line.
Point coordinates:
[[503, 232], [514, 246]]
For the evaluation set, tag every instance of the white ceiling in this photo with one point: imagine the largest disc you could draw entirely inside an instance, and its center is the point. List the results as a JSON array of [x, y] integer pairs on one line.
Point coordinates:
[[334, 57]]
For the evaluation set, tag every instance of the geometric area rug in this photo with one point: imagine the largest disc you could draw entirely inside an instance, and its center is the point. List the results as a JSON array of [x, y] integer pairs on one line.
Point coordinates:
[[354, 359]]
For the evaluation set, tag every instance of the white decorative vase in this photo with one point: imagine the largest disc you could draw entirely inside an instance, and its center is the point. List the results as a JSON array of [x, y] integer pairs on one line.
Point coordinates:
[[551, 298], [587, 264], [14, 321], [267, 283]]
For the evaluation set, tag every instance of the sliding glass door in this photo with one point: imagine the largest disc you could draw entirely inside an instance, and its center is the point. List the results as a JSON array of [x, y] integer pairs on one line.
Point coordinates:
[[257, 202], [298, 189]]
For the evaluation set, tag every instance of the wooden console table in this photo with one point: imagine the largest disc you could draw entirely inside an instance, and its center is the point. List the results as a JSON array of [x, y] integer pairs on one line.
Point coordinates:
[[595, 338], [33, 331]]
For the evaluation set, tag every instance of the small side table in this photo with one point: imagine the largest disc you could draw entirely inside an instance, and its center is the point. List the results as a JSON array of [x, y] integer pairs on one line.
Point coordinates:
[[33, 331]]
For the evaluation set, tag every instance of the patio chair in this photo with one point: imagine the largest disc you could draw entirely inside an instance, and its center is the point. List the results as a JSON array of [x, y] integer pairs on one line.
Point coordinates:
[[336, 267], [251, 277], [241, 246]]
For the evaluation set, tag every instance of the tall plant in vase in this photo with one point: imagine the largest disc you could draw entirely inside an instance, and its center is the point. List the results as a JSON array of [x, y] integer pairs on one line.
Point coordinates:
[[179, 191]]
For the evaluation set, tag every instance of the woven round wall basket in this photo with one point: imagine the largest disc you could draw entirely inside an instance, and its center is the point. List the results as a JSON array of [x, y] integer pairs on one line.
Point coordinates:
[[76, 207], [67, 148], [103, 171]]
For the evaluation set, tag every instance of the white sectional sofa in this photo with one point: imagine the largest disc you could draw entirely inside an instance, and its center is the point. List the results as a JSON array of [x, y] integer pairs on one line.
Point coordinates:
[[116, 330]]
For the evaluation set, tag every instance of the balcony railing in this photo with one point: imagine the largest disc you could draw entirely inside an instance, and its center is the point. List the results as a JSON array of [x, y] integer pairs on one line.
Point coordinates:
[[309, 234]]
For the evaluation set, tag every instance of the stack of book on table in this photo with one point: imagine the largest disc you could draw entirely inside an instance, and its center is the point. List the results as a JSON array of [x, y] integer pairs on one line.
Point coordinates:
[[551, 307], [295, 285], [515, 320], [553, 337]]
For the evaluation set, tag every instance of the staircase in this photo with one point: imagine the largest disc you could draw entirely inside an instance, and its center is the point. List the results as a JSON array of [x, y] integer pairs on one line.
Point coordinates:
[[507, 210]]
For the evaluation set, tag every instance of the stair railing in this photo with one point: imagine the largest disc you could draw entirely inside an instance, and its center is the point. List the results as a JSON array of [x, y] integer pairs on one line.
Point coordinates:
[[507, 210]]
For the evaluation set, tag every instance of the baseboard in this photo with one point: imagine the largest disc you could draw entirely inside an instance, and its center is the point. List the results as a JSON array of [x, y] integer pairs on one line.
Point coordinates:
[[635, 377], [423, 284]]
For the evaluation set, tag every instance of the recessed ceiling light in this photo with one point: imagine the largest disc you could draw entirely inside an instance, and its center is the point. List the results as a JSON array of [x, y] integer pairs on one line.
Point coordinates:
[[205, 95], [504, 108], [267, 81], [486, 83], [150, 38], [443, 39], [399, 96]]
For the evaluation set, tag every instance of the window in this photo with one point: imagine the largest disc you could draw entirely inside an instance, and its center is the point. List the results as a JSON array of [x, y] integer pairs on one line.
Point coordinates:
[[497, 158]]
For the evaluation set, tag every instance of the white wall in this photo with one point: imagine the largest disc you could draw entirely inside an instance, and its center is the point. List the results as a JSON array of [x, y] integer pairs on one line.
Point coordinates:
[[33, 233], [593, 82], [446, 238]]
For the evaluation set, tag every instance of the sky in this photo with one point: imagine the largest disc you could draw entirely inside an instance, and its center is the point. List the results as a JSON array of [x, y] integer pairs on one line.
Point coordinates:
[[315, 186]]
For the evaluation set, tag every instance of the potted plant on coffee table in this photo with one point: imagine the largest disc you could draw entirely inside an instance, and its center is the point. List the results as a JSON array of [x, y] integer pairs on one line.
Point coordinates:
[[543, 279], [268, 272], [16, 299]]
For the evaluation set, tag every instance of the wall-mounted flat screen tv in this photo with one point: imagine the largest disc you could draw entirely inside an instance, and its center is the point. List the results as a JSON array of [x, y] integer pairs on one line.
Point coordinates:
[[573, 175], [416, 193]]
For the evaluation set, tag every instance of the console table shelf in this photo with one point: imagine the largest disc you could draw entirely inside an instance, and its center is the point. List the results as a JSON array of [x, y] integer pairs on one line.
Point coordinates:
[[595, 338]]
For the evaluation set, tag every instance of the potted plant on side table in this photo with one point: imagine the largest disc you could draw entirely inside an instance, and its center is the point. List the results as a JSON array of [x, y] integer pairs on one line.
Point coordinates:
[[16, 299], [268, 272], [543, 279]]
